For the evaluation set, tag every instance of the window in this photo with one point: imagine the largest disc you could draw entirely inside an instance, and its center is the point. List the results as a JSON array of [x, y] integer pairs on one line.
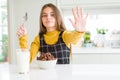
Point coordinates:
[[3, 31], [109, 22]]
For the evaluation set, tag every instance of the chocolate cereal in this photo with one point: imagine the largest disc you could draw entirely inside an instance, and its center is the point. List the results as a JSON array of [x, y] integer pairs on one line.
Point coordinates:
[[46, 56]]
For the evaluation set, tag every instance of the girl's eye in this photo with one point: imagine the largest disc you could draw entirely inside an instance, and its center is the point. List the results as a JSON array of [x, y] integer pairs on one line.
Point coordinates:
[[44, 15], [48, 15], [52, 15]]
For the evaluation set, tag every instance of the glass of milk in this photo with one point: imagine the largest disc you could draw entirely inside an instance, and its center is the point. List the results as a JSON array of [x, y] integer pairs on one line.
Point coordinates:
[[23, 60]]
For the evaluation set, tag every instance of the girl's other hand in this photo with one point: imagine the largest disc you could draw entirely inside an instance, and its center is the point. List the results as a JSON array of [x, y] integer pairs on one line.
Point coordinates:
[[79, 22], [21, 31]]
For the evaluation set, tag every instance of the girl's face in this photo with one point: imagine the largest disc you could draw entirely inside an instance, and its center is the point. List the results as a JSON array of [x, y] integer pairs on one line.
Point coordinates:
[[48, 19]]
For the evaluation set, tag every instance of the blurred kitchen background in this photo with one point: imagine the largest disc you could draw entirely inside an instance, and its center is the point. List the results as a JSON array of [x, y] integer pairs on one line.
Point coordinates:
[[99, 45]]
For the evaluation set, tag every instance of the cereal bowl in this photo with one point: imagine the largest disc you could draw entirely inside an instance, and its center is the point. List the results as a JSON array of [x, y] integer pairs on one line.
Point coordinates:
[[47, 64]]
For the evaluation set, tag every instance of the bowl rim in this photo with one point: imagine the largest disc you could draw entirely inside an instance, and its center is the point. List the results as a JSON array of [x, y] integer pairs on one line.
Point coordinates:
[[47, 60]]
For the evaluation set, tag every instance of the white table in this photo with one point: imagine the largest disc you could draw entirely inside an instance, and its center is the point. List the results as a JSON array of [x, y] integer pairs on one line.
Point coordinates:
[[63, 72]]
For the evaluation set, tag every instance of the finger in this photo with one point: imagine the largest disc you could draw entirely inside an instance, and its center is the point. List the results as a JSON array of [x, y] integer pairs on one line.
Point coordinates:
[[77, 10], [22, 28], [18, 34], [74, 14], [21, 33], [81, 12]]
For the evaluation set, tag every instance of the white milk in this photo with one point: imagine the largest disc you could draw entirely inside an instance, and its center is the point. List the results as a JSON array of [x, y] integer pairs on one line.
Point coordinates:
[[23, 61]]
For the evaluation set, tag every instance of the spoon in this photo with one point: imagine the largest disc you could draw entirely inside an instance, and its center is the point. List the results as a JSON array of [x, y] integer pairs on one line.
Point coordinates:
[[25, 18]]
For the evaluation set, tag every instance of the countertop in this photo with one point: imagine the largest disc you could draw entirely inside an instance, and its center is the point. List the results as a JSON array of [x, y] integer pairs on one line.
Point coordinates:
[[63, 72]]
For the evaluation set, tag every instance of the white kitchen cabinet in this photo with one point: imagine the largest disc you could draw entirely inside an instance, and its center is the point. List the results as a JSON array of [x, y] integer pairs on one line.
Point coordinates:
[[89, 3], [95, 56], [87, 58], [90, 6]]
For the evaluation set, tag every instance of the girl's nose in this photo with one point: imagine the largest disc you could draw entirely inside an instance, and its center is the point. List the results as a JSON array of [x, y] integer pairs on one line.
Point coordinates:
[[48, 16]]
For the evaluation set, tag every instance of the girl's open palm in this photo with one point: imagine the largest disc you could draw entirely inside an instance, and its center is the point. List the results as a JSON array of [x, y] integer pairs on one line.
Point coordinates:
[[79, 22]]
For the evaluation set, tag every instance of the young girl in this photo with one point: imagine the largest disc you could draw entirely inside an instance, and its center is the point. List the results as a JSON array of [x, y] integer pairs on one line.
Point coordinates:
[[53, 36]]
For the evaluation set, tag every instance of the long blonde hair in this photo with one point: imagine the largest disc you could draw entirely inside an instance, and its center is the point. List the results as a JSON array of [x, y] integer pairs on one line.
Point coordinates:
[[60, 24]]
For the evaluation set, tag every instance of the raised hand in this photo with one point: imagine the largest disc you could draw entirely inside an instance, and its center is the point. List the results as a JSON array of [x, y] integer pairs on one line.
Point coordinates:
[[79, 22], [21, 31]]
